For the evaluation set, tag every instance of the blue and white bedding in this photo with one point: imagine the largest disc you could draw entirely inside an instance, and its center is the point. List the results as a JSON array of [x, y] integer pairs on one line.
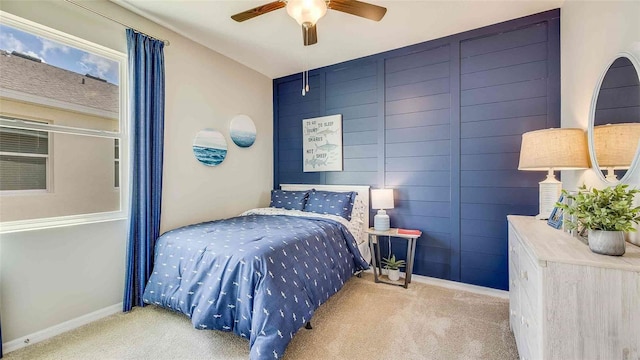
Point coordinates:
[[260, 276]]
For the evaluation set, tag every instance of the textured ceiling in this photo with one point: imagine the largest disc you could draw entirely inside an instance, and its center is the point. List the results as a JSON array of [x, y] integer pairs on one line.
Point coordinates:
[[272, 43]]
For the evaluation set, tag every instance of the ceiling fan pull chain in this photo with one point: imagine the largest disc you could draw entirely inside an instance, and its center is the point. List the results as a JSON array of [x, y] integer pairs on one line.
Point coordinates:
[[305, 74], [304, 83], [306, 87]]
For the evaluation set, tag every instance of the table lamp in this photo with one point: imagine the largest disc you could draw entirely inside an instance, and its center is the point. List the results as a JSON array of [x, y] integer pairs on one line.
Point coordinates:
[[381, 199], [615, 146], [549, 150]]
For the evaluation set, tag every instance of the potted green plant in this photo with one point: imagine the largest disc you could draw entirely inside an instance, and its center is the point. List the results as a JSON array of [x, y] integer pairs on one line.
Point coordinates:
[[607, 214], [393, 267]]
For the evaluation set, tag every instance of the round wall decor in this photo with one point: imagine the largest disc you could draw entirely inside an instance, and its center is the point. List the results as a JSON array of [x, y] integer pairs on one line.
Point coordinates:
[[210, 147], [242, 131]]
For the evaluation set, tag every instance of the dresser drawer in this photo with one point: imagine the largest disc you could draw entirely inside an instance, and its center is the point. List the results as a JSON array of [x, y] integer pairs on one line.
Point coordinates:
[[529, 277], [514, 298], [530, 328], [514, 247]]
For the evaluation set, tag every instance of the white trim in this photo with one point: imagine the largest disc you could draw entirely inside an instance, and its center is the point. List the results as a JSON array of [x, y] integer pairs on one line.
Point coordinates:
[[52, 331], [454, 285], [35, 155], [60, 221], [58, 104], [15, 123]]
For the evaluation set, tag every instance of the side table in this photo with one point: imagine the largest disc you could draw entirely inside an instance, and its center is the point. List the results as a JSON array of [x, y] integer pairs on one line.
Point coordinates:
[[374, 244]]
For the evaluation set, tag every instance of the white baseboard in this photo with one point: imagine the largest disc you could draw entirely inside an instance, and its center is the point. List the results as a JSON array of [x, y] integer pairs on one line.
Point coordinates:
[[454, 285], [50, 332]]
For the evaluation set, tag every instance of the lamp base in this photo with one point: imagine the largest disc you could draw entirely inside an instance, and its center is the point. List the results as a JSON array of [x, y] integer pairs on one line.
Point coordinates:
[[550, 190], [381, 221], [611, 176]]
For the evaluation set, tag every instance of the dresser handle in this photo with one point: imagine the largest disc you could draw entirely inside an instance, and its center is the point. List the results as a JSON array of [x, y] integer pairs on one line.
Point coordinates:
[[524, 275], [524, 321]]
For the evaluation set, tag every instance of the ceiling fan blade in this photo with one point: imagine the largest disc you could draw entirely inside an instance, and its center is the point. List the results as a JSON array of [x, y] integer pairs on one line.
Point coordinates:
[[309, 35], [260, 10], [358, 8]]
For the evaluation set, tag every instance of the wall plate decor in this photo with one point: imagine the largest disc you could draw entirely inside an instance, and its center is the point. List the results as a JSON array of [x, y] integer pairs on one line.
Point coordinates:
[[242, 131], [322, 143], [210, 147]]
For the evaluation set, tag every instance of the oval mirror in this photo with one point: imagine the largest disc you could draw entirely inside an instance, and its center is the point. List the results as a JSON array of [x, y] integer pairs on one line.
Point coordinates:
[[614, 124]]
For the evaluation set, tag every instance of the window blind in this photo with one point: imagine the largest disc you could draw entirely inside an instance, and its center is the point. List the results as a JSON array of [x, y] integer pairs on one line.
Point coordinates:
[[23, 173], [23, 159]]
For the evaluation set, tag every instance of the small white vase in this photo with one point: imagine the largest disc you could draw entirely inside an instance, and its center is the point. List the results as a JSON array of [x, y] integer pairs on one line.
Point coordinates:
[[394, 275], [607, 242]]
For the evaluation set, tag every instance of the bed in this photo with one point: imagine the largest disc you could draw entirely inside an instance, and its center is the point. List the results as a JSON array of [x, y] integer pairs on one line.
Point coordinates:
[[262, 274]]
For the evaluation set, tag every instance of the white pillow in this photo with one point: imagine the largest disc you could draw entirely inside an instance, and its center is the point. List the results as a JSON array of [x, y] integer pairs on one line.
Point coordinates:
[[356, 225]]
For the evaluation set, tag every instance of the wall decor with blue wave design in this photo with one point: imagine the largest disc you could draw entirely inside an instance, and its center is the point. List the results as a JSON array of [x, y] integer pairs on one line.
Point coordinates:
[[242, 131], [210, 147]]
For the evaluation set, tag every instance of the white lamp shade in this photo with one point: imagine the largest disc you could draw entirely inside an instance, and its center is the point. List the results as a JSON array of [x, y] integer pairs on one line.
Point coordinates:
[[306, 11], [382, 199], [615, 145], [560, 149], [549, 149]]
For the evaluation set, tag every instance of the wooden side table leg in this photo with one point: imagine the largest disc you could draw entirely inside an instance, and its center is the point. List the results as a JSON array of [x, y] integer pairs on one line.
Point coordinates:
[[379, 255], [407, 269], [413, 257], [373, 258]]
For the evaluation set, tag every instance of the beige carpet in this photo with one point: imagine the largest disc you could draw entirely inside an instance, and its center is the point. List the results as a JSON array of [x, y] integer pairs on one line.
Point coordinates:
[[363, 321]]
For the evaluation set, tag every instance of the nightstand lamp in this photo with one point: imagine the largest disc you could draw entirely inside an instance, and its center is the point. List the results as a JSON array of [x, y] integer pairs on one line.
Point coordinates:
[[615, 147], [549, 150], [381, 199]]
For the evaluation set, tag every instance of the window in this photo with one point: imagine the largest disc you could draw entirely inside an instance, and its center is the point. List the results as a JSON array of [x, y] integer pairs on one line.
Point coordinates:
[[24, 159], [62, 129]]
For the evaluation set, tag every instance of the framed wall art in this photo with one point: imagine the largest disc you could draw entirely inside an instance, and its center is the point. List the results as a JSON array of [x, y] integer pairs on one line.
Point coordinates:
[[322, 143]]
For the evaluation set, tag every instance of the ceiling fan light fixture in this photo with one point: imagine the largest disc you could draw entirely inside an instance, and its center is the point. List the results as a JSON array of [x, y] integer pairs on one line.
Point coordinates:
[[306, 11]]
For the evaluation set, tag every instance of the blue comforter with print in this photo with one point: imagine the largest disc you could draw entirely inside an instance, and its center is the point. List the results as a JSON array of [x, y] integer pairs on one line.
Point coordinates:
[[260, 276]]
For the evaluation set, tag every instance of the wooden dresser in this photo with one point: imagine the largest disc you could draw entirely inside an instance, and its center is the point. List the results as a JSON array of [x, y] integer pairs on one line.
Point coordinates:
[[567, 302]]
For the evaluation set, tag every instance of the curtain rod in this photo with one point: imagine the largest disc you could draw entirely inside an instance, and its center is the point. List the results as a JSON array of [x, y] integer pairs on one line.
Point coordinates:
[[166, 42]]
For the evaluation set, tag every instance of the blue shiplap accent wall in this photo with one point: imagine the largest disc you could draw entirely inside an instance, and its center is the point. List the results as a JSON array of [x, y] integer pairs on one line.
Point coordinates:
[[441, 123]]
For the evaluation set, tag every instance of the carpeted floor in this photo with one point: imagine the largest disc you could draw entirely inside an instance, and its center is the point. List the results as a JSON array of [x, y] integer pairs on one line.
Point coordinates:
[[363, 321]]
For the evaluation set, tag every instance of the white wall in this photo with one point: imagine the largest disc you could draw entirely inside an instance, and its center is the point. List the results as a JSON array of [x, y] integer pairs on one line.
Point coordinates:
[[592, 33], [51, 276]]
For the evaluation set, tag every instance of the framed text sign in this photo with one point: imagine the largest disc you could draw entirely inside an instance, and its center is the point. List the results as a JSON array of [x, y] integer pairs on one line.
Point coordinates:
[[322, 143]]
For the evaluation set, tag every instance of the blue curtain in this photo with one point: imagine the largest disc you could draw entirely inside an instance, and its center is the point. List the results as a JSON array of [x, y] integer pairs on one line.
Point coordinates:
[[146, 82]]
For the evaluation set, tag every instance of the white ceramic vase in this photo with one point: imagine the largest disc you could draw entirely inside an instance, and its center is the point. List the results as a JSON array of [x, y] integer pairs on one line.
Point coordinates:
[[607, 242], [394, 275]]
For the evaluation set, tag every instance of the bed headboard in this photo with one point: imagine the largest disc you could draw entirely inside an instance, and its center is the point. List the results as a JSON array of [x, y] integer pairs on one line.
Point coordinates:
[[363, 193]]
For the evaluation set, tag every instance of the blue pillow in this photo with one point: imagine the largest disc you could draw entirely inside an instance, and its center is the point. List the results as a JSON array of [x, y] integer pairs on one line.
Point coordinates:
[[329, 202], [291, 200]]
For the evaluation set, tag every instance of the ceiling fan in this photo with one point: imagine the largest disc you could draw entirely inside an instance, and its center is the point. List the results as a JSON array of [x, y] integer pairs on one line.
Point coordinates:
[[307, 13]]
